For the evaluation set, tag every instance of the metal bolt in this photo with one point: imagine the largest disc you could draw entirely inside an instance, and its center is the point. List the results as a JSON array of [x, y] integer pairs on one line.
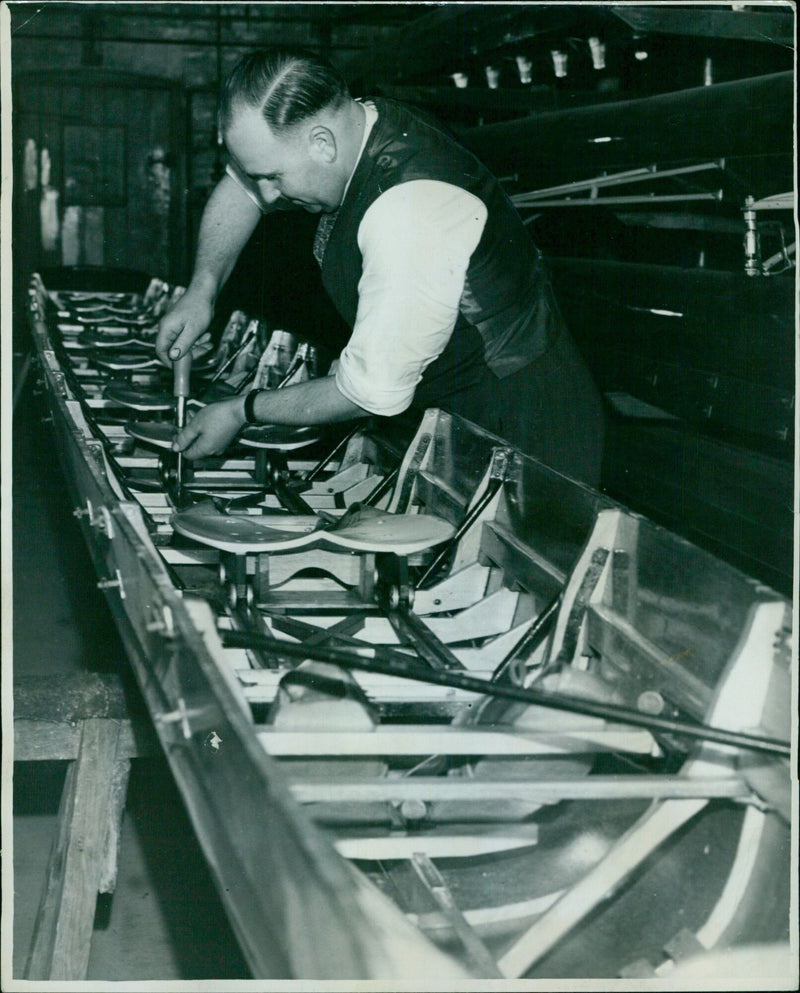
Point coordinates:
[[102, 522], [160, 621], [179, 716], [413, 810], [111, 584], [650, 702], [86, 511]]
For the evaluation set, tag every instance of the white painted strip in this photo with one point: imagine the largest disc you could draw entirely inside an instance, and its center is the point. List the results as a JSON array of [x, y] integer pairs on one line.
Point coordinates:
[[738, 878]]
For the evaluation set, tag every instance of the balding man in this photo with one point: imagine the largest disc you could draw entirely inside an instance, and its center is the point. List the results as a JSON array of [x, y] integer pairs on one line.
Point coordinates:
[[422, 254]]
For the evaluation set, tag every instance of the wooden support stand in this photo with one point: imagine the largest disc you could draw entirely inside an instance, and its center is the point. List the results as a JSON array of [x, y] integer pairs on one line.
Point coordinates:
[[85, 721]]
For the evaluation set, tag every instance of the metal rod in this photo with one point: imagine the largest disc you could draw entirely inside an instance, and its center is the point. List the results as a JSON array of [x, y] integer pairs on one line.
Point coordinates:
[[383, 487], [605, 201], [366, 659], [249, 333], [617, 179], [312, 474], [298, 359], [287, 497], [783, 255], [423, 640], [446, 550], [531, 638]]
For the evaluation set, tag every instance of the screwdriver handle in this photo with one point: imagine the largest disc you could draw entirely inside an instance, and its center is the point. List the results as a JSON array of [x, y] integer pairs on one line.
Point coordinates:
[[182, 368]]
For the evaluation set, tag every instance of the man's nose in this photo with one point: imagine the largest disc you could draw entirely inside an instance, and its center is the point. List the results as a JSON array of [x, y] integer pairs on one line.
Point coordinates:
[[269, 192]]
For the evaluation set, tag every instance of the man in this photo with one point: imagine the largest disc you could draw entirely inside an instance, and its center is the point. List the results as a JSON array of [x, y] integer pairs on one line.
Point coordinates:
[[422, 254]]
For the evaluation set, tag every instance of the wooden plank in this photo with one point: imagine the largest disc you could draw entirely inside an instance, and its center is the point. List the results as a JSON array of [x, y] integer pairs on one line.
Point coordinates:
[[446, 845], [48, 741], [385, 689], [70, 699], [640, 841], [107, 882], [434, 739], [492, 615], [190, 556], [441, 789], [63, 928], [714, 122], [478, 956]]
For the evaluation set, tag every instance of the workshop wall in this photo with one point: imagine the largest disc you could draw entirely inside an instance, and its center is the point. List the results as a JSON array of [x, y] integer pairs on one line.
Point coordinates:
[[190, 48], [116, 150]]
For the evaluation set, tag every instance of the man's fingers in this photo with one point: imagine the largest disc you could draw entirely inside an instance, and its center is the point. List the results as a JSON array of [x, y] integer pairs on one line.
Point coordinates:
[[181, 344], [194, 451], [185, 437], [166, 340], [174, 339]]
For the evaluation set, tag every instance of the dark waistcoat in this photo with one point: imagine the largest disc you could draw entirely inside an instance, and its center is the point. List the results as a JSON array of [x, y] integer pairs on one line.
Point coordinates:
[[507, 314]]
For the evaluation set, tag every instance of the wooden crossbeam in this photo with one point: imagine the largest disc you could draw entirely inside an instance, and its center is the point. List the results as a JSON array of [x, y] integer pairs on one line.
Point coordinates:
[[63, 928], [435, 739], [543, 791], [85, 720]]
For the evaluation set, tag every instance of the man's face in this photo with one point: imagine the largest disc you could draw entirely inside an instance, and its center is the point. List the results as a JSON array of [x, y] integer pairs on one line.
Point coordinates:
[[289, 167]]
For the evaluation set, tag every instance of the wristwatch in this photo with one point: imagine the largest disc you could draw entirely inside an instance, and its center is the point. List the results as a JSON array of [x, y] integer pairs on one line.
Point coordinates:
[[249, 405]]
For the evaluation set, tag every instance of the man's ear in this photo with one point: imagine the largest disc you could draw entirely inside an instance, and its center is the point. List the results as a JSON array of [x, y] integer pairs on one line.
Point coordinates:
[[322, 144]]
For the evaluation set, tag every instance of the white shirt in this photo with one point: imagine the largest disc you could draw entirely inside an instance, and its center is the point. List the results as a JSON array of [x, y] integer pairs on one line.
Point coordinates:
[[416, 240]]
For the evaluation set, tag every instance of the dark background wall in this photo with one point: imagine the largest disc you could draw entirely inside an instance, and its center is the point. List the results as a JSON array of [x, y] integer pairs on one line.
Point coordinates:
[[123, 98]]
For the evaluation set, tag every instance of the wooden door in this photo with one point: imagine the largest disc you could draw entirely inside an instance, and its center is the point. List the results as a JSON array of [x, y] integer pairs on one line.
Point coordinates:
[[116, 189]]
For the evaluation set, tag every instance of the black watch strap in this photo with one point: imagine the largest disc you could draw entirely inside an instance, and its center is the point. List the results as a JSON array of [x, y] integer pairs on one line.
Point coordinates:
[[249, 406]]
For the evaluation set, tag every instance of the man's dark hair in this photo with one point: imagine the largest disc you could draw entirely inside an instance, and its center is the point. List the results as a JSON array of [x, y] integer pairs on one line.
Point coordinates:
[[288, 87]]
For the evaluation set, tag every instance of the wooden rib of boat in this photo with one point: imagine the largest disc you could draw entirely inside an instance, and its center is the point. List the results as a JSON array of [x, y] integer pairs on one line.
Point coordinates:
[[548, 735]]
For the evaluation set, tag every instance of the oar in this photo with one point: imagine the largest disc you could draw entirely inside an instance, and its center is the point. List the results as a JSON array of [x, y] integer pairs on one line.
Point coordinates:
[[368, 660]]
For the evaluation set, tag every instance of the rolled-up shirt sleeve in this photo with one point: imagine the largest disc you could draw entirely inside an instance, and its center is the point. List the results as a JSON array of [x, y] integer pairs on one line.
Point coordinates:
[[416, 241]]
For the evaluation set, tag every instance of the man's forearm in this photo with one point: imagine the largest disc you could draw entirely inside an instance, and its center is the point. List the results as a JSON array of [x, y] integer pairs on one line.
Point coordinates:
[[213, 428], [317, 401], [229, 219]]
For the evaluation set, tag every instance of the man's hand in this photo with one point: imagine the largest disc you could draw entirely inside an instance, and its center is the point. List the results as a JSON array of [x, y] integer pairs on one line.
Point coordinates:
[[211, 429], [179, 329]]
